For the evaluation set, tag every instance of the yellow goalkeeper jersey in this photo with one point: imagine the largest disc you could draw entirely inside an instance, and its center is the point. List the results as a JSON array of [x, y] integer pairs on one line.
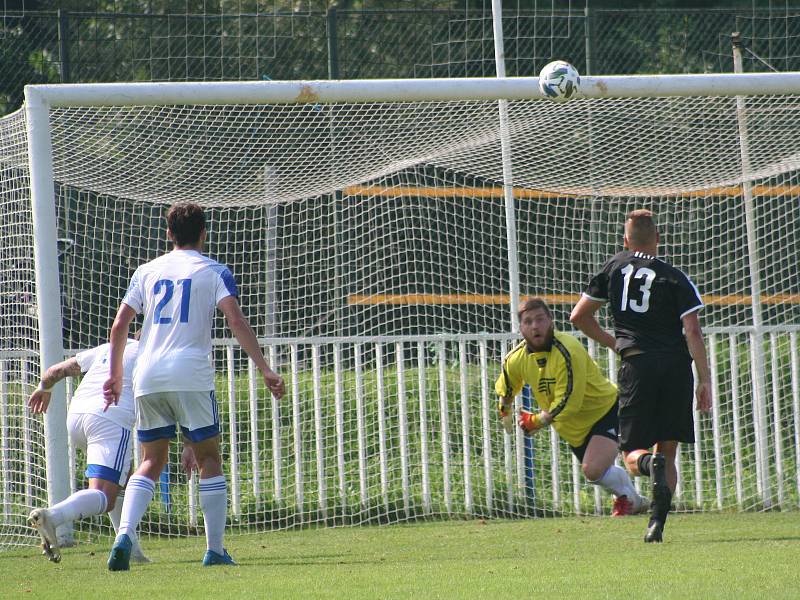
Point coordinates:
[[565, 382]]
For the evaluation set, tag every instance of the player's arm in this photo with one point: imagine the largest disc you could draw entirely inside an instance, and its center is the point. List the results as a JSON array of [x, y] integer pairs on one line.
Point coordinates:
[[188, 458], [697, 348], [40, 399], [118, 337], [249, 343], [509, 383], [583, 318]]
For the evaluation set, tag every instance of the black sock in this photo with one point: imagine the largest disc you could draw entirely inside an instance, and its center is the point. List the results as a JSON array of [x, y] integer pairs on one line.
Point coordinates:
[[661, 505], [643, 463]]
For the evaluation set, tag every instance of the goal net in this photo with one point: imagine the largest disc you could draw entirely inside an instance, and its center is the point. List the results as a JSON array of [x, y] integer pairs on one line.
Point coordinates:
[[370, 244]]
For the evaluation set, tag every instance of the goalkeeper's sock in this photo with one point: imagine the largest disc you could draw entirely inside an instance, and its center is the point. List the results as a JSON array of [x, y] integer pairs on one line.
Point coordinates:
[[85, 503], [616, 481]]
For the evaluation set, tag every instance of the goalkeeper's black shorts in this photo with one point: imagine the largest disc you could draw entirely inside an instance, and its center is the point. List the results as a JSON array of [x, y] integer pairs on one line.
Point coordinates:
[[655, 400], [606, 426]]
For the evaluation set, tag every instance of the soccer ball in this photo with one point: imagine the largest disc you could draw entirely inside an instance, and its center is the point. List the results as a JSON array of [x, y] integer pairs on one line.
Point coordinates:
[[559, 81]]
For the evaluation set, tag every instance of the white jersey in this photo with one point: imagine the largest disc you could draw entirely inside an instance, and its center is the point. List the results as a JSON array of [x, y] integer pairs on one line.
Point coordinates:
[[88, 398], [178, 294]]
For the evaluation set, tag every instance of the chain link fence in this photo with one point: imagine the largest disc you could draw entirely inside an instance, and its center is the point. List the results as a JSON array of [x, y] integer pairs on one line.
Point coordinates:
[[62, 46]]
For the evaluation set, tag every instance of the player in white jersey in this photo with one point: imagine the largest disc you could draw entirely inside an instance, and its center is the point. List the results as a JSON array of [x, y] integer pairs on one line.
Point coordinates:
[[177, 294], [104, 436]]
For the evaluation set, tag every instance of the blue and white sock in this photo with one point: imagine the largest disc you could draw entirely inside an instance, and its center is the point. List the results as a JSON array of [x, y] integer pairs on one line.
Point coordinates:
[[115, 514], [214, 503], [79, 505], [138, 494]]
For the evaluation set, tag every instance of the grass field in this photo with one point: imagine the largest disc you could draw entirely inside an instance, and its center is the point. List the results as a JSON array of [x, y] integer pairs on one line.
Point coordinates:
[[704, 556]]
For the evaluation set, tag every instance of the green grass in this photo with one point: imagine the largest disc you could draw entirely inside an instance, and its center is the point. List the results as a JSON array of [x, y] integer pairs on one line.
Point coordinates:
[[704, 556]]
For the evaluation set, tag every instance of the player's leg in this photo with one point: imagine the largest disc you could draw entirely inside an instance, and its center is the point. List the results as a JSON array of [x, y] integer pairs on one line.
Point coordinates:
[[106, 445], [637, 397], [676, 414], [640, 381], [664, 476], [213, 499], [138, 495], [602, 449], [155, 427], [675, 424], [637, 462], [669, 450], [40, 518], [599, 469], [115, 514], [200, 424]]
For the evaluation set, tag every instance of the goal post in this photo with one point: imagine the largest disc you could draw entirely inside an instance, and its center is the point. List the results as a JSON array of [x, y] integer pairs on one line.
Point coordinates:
[[365, 222], [48, 297]]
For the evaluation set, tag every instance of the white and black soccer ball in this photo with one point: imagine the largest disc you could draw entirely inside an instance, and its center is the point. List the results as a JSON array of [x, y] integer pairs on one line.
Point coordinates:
[[559, 81]]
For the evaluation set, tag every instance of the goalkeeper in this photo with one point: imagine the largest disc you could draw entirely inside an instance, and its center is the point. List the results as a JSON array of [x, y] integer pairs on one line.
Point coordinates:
[[574, 398]]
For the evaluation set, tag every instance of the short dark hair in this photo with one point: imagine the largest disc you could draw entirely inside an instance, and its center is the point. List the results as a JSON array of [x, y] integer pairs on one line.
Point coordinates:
[[186, 220], [534, 304]]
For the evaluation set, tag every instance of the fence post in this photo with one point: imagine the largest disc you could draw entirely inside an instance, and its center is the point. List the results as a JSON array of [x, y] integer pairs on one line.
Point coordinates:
[[63, 44], [587, 38], [333, 44]]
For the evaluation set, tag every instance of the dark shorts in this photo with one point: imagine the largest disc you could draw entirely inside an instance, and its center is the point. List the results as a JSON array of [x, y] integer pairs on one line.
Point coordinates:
[[655, 400], [606, 426]]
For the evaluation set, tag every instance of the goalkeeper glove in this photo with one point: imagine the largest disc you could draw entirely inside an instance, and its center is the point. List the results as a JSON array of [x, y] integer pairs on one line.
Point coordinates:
[[504, 406], [531, 422], [505, 410]]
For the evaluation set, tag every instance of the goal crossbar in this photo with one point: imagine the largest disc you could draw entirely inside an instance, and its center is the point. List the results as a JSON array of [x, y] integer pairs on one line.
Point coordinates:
[[404, 90]]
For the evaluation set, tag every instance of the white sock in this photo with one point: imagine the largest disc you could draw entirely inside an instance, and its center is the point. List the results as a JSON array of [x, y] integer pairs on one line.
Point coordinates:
[[214, 503], [138, 495], [79, 505], [617, 481], [115, 514]]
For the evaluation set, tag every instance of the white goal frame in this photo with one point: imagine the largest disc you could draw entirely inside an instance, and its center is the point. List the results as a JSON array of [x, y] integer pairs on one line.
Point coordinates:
[[39, 99]]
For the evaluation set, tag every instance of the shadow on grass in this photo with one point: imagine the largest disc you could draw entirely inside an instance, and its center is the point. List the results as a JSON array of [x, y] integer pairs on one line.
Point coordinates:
[[266, 561], [758, 540]]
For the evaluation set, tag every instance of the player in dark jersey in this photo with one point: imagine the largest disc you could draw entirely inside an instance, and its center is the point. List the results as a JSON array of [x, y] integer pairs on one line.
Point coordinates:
[[654, 307]]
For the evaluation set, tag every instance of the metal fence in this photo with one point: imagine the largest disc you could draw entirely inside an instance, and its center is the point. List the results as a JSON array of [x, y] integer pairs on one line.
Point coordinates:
[[63, 46], [406, 430]]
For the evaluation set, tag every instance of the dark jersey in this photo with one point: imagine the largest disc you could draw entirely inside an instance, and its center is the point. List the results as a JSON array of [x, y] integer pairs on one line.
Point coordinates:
[[648, 299]]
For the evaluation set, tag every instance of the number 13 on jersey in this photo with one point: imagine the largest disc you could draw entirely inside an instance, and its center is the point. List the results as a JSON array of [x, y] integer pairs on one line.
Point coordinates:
[[167, 287], [643, 273]]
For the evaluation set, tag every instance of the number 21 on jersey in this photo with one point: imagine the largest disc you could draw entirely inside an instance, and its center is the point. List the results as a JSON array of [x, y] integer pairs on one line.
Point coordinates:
[[640, 306], [167, 287]]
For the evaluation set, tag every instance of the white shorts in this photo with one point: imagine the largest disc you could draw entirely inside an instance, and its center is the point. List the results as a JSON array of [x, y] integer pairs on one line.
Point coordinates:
[[106, 444], [158, 414]]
